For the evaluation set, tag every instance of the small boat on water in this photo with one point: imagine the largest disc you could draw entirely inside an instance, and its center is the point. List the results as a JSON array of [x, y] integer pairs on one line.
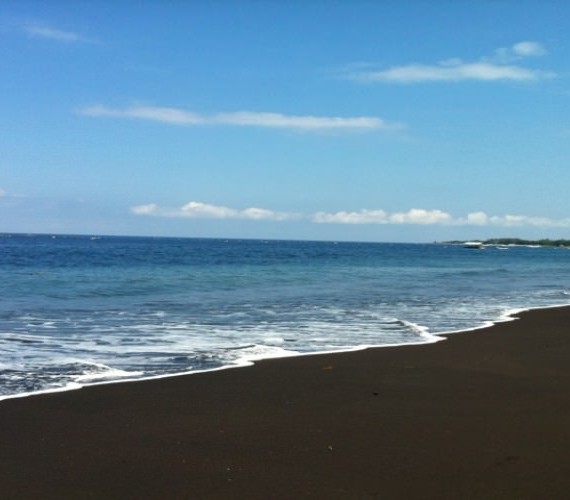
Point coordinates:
[[473, 244]]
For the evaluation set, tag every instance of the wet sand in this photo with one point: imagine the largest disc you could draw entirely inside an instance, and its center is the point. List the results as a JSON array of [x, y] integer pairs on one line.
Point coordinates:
[[484, 414]]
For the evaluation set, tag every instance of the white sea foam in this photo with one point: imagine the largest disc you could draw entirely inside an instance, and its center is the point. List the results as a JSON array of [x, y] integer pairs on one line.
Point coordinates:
[[259, 352], [272, 340], [71, 386], [255, 353], [106, 373]]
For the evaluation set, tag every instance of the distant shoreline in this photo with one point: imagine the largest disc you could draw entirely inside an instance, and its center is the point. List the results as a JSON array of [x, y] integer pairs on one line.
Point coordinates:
[[512, 242]]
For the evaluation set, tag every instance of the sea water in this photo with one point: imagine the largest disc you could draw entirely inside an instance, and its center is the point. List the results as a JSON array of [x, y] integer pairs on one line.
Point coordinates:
[[80, 310]]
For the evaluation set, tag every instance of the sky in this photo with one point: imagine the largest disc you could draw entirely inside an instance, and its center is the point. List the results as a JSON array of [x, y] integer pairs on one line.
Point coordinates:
[[402, 121]]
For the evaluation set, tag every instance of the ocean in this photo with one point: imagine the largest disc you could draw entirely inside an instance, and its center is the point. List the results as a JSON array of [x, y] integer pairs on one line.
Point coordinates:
[[82, 310]]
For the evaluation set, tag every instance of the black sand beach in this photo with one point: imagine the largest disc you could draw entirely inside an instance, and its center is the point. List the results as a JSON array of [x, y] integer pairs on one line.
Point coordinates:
[[484, 415]]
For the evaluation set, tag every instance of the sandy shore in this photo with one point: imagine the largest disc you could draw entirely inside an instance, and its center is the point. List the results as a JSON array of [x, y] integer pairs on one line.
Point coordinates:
[[481, 415]]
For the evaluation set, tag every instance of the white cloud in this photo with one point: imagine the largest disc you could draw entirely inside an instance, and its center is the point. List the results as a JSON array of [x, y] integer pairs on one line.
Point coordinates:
[[516, 52], [264, 214], [417, 216], [360, 217], [150, 209], [300, 122], [509, 220], [39, 31], [412, 216], [436, 216], [177, 116], [526, 49], [496, 68], [477, 219], [421, 216], [152, 113], [456, 72], [2, 193], [199, 210]]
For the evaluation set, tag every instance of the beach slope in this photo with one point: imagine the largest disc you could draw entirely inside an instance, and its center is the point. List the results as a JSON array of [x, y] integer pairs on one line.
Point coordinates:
[[484, 414]]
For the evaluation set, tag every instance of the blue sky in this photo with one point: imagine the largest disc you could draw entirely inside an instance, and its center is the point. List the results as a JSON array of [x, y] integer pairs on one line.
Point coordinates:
[[375, 121]]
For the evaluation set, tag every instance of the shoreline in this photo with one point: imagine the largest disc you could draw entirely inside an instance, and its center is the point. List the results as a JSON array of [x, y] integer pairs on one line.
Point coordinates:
[[478, 416], [430, 338]]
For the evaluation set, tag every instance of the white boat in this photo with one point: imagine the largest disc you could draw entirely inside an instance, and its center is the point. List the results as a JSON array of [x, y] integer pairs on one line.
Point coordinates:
[[473, 244]]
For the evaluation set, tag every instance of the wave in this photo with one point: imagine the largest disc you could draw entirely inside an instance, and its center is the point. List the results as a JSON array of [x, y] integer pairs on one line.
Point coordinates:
[[250, 354]]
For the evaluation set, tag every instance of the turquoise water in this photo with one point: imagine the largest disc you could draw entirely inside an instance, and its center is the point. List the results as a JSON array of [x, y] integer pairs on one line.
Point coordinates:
[[80, 310]]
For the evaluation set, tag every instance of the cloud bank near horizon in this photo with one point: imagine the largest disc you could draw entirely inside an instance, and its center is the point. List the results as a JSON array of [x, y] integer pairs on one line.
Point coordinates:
[[417, 216], [179, 116], [498, 67]]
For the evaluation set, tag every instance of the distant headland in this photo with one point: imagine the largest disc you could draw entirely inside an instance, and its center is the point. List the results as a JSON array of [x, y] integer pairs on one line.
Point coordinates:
[[513, 242]]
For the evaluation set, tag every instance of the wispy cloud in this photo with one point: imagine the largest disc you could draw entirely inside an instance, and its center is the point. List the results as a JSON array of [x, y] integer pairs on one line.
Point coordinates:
[[526, 49], [518, 51], [10, 196], [451, 71], [498, 67], [178, 116], [199, 210], [416, 216], [41, 31]]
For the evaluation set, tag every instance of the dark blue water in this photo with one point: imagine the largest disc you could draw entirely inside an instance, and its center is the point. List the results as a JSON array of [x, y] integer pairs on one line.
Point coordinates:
[[81, 310]]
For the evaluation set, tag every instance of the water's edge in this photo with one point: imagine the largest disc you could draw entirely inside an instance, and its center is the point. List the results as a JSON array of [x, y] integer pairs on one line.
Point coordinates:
[[430, 338]]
